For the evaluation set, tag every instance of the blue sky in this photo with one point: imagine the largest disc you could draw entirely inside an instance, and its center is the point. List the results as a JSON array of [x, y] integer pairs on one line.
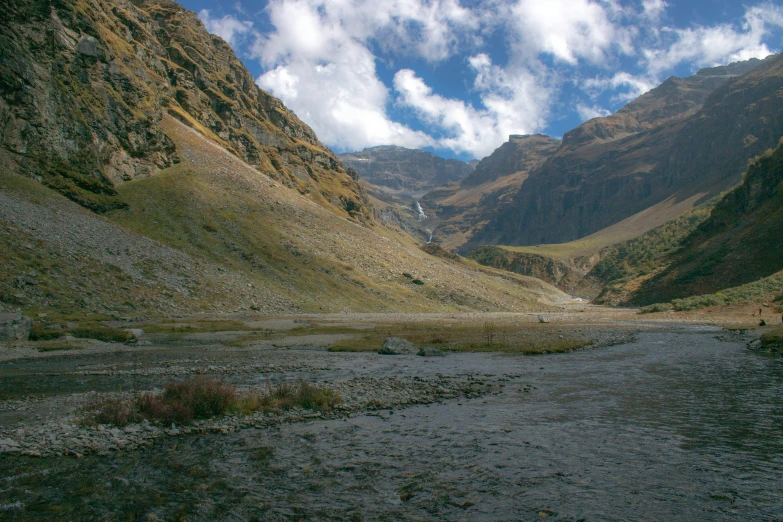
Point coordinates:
[[458, 76]]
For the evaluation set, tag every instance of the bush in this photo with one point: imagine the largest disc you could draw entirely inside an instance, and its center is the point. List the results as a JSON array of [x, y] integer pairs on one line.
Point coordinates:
[[185, 401], [101, 333], [655, 308], [205, 397], [289, 395]]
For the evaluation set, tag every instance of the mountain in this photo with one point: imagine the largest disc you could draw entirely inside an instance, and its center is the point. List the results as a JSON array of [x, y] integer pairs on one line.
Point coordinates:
[[84, 86], [688, 137], [739, 243], [405, 172], [144, 173], [461, 208]]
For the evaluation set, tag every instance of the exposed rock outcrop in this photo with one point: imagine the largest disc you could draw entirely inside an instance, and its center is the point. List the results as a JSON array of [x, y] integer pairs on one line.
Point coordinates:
[[14, 326], [84, 86], [410, 172], [688, 136], [461, 209]]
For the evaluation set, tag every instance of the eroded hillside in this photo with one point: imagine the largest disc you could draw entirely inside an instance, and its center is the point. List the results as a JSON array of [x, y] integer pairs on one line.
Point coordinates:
[[214, 234], [85, 84], [687, 137]]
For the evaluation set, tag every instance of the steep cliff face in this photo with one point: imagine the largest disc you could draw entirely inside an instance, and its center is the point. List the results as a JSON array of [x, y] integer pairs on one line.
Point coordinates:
[[84, 85], [686, 137], [461, 209], [404, 171], [739, 243]]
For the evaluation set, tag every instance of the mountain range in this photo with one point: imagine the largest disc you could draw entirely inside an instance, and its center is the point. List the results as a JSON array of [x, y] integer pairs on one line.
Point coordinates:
[[142, 171]]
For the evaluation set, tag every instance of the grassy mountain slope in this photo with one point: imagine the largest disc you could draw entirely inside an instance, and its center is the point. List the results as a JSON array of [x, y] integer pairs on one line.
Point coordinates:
[[739, 243], [85, 84], [686, 137], [571, 266], [214, 234]]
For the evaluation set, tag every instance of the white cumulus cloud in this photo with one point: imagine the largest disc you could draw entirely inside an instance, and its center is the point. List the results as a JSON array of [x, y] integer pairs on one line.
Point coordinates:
[[334, 62], [228, 27]]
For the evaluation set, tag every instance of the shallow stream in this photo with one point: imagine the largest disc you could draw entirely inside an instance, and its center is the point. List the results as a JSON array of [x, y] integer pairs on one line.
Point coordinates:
[[676, 426]]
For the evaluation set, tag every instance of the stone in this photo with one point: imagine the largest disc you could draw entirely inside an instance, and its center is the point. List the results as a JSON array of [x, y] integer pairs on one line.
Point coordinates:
[[430, 351], [89, 46], [397, 346], [14, 326], [543, 319], [8, 443]]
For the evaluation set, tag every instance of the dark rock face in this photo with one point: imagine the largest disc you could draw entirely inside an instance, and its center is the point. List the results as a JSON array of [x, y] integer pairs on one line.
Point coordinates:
[[518, 154], [84, 86], [14, 327], [569, 275], [464, 208], [409, 171], [688, 136]]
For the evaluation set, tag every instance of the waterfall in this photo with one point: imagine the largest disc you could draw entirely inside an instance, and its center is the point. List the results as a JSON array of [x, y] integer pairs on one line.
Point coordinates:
[[420, 215]]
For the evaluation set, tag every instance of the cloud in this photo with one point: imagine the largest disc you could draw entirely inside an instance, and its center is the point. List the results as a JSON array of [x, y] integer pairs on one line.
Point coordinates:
[[587, 112], [514, 101], [228, 27], [716, 45], [567, 29], [320, 57]]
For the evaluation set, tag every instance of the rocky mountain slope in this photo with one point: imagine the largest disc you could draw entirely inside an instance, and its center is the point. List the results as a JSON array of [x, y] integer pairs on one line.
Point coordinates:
[[459, 209], [214, 234], [687, 137], [739, 243], [405, 172], [85, 84]]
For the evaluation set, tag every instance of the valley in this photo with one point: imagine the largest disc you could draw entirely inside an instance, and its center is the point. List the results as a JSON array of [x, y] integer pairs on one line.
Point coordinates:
[[206, 313]]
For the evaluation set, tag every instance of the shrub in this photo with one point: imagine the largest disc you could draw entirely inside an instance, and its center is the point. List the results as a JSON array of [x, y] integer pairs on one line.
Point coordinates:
[[655, 308], [101, 333], [185, 401], [289, 395], [205, 397]]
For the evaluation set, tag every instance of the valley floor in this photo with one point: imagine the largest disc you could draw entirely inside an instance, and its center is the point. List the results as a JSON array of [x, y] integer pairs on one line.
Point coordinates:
[[487, 432]]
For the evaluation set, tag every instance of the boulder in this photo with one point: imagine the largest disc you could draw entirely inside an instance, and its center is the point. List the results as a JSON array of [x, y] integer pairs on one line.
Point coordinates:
[[542, 319], [14, 327], [430, 351], [397, 346]]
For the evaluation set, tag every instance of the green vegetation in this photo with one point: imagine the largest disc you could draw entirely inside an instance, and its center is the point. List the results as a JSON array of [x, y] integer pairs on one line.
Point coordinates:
[[756, 291], [486, 337], [175, 326], [643, 255], [738, 244], [203, 398], [96, 331]]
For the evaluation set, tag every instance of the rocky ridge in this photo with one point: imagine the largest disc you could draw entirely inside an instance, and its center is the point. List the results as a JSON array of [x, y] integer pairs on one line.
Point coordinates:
[[85, 85], [462, 208], [686, 137], [405, 172]]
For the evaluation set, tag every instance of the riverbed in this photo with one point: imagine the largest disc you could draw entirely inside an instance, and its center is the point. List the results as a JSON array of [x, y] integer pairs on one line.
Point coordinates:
[[677, 425]]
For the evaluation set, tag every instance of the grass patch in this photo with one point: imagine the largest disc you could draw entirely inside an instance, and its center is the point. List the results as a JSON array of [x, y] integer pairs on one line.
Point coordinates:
[[52, 346], [656, 308], [202, 397], [96, 331], [485, 337], [285, 396], [175, 327]]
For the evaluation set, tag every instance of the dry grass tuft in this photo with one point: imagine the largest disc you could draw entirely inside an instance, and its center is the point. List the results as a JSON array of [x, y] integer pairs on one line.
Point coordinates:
[[205, 397]]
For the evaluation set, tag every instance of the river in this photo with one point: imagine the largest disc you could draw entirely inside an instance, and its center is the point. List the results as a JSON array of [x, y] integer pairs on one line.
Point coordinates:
[[678, 425]]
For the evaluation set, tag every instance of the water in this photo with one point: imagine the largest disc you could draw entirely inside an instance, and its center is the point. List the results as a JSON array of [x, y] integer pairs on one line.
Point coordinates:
[[676, 426]]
